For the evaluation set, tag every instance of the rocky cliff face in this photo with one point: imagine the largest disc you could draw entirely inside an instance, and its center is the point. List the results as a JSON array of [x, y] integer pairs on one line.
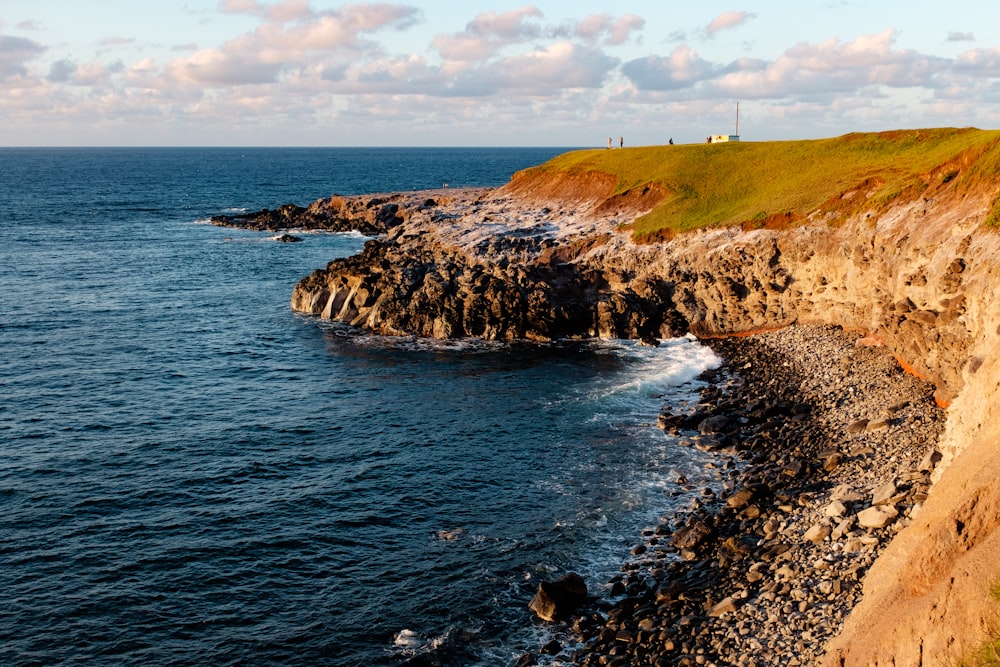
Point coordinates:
[[542, 262]]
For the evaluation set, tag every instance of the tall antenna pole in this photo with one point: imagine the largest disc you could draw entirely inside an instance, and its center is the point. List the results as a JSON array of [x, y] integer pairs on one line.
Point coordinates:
[[737, 119]]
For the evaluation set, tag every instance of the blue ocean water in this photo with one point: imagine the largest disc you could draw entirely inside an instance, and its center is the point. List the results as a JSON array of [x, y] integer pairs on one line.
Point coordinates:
[[190, 473]]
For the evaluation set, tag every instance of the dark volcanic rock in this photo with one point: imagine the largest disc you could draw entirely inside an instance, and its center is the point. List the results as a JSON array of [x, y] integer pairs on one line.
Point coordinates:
[[370, 215], [393, 287], [558, 599]]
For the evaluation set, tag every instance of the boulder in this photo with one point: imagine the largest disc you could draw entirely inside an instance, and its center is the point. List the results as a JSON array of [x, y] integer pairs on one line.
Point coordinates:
[[877, 516], [832, 460], [746, 495], [714, 424], [836, 509], [725, 606], [857, 427], [884, 493], [691, 535], [558, 599], [817, 533]]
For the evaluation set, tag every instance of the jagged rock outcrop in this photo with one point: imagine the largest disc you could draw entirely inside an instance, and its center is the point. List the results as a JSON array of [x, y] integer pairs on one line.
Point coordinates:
[[370, 215], [418, 281], [920, 277]]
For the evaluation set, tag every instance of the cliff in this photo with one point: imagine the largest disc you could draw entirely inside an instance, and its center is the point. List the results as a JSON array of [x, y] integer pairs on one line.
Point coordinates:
[[893, 237]]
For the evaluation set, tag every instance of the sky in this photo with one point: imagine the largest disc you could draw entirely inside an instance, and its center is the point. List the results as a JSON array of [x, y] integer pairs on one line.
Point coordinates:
[[488, 72]]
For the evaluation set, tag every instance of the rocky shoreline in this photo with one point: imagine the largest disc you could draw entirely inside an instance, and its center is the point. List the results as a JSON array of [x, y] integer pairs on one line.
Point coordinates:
[[370, 215], [826, 449]]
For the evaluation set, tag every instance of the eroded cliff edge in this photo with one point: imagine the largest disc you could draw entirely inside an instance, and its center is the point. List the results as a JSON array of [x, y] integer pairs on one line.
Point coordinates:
[[547, 257]]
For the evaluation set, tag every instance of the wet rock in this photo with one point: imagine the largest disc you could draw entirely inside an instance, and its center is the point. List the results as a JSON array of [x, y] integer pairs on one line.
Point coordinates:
[[712, 425], [746, 495], [692, 535], [559, 599], [552, 648]]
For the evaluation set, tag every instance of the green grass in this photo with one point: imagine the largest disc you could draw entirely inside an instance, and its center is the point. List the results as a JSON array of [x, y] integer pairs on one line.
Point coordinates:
[[988, 654], [752, 182]]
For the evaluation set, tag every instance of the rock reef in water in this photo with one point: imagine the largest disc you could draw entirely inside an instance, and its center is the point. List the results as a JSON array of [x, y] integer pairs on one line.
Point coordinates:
[[546, 258], [368, 214]]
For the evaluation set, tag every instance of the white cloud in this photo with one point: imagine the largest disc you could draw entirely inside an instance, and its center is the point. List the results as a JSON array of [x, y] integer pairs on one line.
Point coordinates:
[[605, 27], [727, 21], [830, 67], [281, 12], [488, 34], [827, 68], [623, 28], [556, 67], [313, 71], [61, 70], [218, 68], [116, 41], [263, 55], [681, 69], [510, 26], [980, 62], [15, 52]]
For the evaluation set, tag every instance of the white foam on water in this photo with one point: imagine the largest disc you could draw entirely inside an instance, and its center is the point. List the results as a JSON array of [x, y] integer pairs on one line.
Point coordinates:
[[673, 363], [629, 400]]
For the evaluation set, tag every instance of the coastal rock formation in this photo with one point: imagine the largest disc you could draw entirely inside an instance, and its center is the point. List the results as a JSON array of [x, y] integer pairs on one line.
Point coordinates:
[[369, 214], [544, 260], [452, 274]]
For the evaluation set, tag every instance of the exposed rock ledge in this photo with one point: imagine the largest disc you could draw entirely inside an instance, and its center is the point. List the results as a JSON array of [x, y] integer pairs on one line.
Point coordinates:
[[922, 278]]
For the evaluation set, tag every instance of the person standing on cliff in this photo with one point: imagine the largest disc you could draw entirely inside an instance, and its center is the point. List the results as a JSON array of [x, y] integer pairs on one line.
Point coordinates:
[[609, 143], [621, 142]]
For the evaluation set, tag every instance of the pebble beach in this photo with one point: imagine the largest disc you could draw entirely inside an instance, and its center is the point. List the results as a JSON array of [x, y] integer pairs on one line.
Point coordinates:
[[825, 450]]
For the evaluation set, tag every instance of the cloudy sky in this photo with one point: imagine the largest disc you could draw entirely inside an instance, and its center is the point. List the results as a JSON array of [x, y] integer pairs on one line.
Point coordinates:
[[488, 72]]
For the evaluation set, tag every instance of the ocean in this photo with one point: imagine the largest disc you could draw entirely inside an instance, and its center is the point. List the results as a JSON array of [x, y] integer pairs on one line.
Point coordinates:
[[192, 474]]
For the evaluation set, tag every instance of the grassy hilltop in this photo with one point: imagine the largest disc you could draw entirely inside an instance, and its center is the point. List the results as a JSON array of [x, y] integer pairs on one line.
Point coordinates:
[[776, 183]]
